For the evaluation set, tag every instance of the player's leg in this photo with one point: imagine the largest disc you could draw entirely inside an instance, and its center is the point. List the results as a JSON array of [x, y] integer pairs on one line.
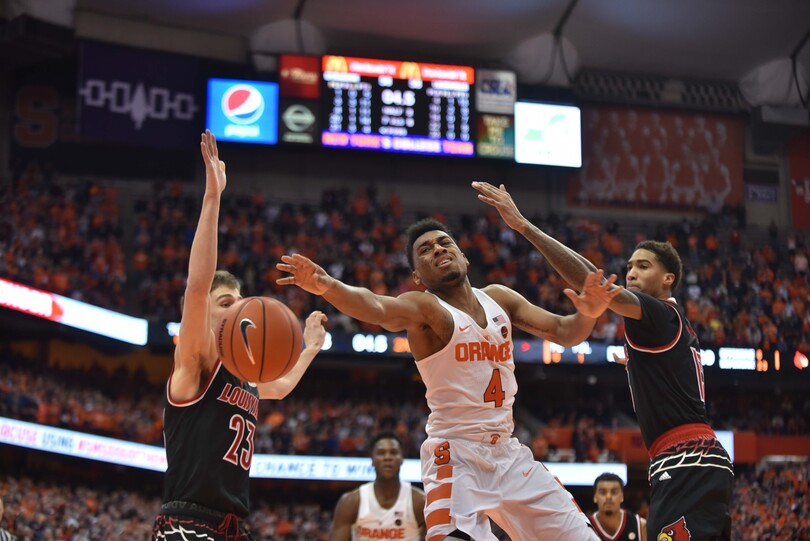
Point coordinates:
[[453, 499], [691, 500], [535, 504]]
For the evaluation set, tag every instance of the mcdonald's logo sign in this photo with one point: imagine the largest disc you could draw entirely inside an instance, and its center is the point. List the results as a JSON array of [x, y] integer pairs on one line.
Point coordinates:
[[335, 64], [409, 70]]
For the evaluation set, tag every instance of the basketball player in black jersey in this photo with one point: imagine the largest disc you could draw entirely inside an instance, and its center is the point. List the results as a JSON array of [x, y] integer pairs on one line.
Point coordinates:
[[690, 473], [611, 521], [209, 419]]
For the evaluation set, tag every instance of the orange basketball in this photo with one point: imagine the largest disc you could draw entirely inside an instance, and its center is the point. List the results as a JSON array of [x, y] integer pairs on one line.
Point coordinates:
[[258, 339]]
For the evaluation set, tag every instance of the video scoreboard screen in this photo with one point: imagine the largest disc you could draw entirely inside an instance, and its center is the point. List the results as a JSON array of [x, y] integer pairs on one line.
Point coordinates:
[[397, 106]]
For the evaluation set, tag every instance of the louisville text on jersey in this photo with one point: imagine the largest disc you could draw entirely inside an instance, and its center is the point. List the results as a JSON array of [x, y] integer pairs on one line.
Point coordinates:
[[240, 398]]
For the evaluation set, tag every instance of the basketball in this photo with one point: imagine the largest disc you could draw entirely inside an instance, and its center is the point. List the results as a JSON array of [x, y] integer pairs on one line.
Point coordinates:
[[259, 339]]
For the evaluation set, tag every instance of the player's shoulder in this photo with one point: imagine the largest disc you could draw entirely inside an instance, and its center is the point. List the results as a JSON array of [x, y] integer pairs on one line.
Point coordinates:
[[350, 498], [499, 292], [417, 296]]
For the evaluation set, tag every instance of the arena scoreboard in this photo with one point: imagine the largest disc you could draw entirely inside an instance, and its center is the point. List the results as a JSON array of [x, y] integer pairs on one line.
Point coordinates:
[[397, 106]]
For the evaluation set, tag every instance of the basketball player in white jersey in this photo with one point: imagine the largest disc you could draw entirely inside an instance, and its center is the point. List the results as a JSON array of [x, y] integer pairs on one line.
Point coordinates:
[[385, 508], [461, 339]]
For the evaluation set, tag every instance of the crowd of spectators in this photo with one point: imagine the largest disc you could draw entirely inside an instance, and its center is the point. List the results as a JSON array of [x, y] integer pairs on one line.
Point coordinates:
[[770, 503], [734, 294], [127, 406], [54, 511], [69, 239], [319, 418], [64, 238]]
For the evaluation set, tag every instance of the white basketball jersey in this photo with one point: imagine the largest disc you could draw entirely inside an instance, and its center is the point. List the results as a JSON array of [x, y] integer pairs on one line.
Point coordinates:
[[374, 522], [471, 382]]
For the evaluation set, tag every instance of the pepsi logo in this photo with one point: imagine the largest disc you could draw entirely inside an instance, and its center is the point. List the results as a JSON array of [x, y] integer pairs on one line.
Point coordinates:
[[242, 104]]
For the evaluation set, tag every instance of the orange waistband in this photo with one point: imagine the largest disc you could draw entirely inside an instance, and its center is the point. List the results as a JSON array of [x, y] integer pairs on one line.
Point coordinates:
[[674, 436]]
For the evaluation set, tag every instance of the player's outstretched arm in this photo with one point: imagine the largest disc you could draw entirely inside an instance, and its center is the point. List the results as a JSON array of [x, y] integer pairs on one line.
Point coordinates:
[[572, 266], [195, 348], [345, 516], [392, 313], [314, 336], [569, 330]]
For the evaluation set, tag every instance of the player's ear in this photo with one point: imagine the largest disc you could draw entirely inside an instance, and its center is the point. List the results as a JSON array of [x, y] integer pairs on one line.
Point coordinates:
[[415, 277], [669, 279]]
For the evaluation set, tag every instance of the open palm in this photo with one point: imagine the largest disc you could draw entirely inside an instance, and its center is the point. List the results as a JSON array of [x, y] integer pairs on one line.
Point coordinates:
[[215, 179]]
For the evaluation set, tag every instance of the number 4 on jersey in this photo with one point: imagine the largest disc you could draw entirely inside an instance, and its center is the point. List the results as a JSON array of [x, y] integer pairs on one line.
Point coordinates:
[[494, 392]]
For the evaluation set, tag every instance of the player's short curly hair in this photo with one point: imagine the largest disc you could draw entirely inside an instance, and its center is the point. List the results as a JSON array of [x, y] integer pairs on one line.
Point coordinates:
[[383, 436], [608, 477], [668, 257], [420, 228]]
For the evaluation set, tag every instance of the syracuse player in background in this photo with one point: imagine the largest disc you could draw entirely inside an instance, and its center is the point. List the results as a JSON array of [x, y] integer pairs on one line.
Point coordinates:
[[611, 521], [385, 508], [690, 474], [461, 339], [210, 415]]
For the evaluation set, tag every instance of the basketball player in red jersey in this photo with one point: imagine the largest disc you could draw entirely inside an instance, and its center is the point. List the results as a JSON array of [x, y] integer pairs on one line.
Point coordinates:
[[385, 508], [611, 521], [209, 419], [691, 476], [461, 338]]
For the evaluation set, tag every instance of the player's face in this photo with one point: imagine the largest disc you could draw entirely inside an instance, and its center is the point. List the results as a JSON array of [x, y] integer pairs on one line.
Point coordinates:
[[438, 260], [608, 496], [219, 300], [646, 274], [386, 457]]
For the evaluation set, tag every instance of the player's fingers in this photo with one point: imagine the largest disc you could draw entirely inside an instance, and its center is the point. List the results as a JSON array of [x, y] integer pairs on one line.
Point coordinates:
[[286, 281], [571, 294], [486, 199], [284, 267]]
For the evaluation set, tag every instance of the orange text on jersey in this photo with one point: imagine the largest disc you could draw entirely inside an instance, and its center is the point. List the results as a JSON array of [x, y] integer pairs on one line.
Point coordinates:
[[483, 351], [382, 533]]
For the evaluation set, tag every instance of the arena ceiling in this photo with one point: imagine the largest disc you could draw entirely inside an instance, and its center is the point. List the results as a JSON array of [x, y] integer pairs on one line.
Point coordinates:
[[710, 39]]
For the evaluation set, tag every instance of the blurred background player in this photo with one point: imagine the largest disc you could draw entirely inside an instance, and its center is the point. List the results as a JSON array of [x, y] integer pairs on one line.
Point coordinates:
[[611, 521], [385, 508], [210, 415]]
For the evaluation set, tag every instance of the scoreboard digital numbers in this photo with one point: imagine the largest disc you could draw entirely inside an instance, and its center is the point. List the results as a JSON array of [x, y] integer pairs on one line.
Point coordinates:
[[397, 106]]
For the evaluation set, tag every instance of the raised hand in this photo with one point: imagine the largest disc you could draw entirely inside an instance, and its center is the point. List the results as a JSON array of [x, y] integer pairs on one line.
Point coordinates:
[[619, 360], [596, 295], [314, 332], [304, 273], [502, 201], [215, 179]]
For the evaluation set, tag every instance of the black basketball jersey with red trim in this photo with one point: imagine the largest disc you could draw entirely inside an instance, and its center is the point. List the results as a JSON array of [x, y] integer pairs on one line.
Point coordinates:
[[664, 370], [629, 527], [209, 444]]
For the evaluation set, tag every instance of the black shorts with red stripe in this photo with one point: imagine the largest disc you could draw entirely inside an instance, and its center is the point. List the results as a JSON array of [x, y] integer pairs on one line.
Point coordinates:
[[181, 521], [691, 483]]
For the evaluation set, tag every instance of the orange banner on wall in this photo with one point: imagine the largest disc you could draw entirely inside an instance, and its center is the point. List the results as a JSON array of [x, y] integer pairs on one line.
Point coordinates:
[[648, 158]]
